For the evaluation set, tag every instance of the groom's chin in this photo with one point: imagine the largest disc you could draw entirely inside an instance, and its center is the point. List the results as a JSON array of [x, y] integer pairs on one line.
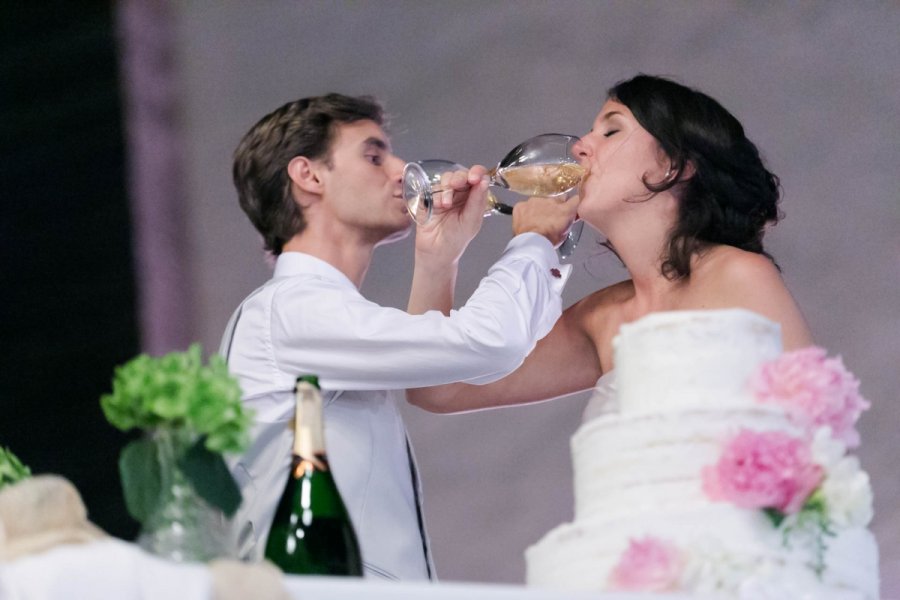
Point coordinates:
[[396, 236]]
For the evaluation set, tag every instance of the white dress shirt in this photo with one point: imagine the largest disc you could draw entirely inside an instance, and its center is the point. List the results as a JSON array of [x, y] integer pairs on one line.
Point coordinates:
[[310, 319]]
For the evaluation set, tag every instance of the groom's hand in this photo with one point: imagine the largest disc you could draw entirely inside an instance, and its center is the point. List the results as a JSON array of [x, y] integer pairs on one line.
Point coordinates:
[[457, 216]]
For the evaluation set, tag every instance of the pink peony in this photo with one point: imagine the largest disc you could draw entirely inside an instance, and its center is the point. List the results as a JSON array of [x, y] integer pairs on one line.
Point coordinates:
[[649, 565], [763, 470], [814, 390]]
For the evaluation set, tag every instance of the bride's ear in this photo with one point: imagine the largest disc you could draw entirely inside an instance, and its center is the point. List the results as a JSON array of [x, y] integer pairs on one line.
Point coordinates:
[[303, 173], [687, 172]]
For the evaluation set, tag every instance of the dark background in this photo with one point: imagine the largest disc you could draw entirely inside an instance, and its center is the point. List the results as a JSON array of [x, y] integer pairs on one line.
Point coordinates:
[[69, 313]]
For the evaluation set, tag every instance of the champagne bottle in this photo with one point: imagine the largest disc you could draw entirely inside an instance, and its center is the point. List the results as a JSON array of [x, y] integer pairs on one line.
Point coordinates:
[[312, 533]]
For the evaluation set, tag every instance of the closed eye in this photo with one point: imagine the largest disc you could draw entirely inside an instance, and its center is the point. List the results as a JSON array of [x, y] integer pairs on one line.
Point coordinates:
[[611, 133]]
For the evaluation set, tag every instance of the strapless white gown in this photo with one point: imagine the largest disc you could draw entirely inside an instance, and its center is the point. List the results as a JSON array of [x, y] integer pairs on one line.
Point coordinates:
[[603, 400]]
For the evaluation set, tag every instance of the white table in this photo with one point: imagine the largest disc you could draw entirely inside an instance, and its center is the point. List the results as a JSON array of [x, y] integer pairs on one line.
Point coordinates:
[[115, 570]]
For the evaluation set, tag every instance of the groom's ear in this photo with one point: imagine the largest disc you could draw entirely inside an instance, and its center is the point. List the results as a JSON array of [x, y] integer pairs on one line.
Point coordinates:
[[304, 174]]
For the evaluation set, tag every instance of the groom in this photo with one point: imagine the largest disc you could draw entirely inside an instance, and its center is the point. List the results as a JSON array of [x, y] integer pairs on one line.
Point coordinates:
[[318, 180]]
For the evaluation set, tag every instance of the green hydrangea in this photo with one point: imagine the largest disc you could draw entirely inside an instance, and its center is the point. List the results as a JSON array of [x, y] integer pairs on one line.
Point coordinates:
[[178, 391], [11, 468]]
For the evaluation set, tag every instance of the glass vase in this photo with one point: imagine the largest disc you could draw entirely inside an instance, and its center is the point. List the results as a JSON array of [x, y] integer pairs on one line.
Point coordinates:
[[183, 527]]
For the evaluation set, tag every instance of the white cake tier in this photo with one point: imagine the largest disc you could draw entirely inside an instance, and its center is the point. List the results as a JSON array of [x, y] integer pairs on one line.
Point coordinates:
[[630, 465], [724, 547], [688, 359]]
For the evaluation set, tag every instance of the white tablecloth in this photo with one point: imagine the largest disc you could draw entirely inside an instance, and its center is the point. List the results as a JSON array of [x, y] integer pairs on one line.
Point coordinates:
[[115, 570]]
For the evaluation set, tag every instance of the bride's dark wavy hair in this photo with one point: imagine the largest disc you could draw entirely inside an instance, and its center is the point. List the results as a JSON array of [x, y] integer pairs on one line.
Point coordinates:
[[731, 196]]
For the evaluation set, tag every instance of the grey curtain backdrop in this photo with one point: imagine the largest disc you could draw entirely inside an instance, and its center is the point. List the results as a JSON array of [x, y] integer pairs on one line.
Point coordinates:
[[815, 84]]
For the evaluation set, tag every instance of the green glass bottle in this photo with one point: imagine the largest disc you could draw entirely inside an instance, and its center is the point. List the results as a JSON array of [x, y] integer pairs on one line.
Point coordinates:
[[312, 533]]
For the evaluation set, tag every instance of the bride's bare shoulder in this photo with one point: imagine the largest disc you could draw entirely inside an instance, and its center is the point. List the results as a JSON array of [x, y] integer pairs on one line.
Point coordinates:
[[729, 277], [736, 269]]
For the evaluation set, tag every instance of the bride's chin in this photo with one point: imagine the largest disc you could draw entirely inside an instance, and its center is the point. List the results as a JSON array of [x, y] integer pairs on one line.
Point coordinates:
[[605, 219], [593, 214]]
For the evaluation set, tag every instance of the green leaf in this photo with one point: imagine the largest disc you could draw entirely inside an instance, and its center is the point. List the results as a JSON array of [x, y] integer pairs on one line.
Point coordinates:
[[230, 438], [210, 476], [11, 468], [141, 478], [815, 504], [775, 515]]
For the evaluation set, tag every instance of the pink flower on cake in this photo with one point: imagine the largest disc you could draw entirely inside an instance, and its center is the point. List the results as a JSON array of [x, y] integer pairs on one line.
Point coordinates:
[[768, 470], [649, 565], [814, 390]]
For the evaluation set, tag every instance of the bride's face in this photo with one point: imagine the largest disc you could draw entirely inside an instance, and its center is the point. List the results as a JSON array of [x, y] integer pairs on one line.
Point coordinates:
[[620, 155]]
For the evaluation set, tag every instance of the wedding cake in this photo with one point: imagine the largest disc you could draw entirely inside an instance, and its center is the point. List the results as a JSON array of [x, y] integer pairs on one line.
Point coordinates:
[[715, 464]]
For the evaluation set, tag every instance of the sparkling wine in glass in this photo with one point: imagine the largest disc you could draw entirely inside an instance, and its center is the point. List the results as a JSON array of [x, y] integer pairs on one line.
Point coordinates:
[[540, 166]]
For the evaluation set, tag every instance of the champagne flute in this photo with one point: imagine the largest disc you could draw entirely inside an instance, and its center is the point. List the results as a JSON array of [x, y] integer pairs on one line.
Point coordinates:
[[540, 166]]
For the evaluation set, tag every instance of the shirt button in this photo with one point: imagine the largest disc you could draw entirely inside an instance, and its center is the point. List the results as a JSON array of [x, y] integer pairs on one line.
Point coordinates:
[[555, 273]]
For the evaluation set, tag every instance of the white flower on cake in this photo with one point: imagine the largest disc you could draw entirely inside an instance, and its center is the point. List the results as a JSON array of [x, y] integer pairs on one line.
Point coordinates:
[[827, 450], [711, 569], [848, 494], [846, 491]]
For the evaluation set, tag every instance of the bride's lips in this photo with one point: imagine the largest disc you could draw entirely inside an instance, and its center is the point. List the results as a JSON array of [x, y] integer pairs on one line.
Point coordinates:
[[587, 173]]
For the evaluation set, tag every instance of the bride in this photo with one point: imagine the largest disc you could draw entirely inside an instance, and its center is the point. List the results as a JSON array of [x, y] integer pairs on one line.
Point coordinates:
[[683, 199]]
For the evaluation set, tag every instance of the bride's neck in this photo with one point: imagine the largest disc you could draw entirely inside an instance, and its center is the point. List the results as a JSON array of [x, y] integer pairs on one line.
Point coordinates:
[[643, 251]]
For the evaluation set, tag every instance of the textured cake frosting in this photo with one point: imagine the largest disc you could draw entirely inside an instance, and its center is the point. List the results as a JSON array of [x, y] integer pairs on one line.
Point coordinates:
[[680, 389]]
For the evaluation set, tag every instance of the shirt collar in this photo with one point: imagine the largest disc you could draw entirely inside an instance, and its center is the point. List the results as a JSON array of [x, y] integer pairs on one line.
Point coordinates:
[[291, 264]]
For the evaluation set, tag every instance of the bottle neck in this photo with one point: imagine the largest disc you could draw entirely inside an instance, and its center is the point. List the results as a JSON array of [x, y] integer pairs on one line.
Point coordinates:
[[309, 436]]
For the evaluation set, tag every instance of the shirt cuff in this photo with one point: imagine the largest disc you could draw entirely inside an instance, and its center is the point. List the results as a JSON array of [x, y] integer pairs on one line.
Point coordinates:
[[537, 248]]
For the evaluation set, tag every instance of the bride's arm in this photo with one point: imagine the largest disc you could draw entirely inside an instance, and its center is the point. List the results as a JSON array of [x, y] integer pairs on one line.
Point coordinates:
[[564, 361]]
